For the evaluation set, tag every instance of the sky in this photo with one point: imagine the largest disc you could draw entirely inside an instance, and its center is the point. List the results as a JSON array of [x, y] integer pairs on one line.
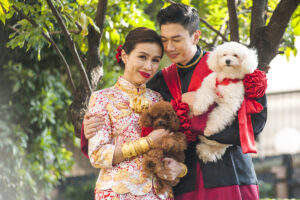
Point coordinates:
[[285, 75]]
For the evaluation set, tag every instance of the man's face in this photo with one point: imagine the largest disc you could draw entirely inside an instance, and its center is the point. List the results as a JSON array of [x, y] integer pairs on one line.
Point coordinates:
[[179, 45]]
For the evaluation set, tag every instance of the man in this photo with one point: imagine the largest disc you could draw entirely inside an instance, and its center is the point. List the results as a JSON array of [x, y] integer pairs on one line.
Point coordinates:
[[232, 177]]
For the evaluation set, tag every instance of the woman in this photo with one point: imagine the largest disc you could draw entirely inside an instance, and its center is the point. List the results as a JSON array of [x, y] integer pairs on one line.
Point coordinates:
[[117, 148]]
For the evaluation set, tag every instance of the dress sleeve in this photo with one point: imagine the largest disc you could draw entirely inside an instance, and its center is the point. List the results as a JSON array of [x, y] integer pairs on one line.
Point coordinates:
[[100, 147], [230, 135]]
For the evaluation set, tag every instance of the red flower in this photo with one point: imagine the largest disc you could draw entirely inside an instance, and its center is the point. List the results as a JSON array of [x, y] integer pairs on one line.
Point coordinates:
[[255, 84], [182, 111], [118, 54]]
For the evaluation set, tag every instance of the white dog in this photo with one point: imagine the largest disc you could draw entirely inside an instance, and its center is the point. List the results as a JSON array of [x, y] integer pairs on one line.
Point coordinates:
[[230, 63]]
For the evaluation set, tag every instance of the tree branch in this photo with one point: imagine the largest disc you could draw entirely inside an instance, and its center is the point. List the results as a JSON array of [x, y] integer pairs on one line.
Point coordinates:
[[213, 29], [170, 1], [233, 21], [267, 39], [72, 47], [281, 17], [257, 16], [49, 39]]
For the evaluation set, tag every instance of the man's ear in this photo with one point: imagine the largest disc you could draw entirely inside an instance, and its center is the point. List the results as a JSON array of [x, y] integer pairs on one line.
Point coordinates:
[[124, 56], [196, 37]]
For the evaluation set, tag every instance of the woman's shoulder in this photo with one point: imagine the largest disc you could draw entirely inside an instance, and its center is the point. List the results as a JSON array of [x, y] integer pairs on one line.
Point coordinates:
[[155, 95]]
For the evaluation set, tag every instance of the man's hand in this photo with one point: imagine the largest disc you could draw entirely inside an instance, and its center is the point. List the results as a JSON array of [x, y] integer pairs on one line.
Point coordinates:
[[92, 123], [189, 98]]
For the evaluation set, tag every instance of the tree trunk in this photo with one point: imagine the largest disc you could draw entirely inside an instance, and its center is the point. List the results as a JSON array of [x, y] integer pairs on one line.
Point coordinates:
[[266, 39]]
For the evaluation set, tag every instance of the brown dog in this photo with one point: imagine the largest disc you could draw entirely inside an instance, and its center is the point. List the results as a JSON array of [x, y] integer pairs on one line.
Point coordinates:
[[162, 115]]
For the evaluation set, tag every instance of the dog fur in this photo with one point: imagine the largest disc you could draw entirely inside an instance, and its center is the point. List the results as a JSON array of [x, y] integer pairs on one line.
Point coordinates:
[[162, 116], [228, 61]]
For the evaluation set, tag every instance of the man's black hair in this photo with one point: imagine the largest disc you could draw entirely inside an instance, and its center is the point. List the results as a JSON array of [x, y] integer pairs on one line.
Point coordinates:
[[182, 14]]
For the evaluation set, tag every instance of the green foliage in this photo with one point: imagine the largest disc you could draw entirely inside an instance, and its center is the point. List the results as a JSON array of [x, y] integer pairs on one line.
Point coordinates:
[[33, 131], [34, 128]]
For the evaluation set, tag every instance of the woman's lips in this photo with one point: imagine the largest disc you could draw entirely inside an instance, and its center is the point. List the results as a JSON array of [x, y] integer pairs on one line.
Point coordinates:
[[145, 75]]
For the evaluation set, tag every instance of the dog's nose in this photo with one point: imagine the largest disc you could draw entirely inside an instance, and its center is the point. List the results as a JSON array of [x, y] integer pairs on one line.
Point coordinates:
[[227, 62]]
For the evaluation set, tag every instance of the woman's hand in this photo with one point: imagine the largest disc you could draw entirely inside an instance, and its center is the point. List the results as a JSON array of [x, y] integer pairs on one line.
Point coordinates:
[[175, 169], [92, 123], [158, 134]]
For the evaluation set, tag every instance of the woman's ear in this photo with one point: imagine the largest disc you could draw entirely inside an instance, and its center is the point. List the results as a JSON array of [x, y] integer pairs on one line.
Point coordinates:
[[124, 56], [196, 37]]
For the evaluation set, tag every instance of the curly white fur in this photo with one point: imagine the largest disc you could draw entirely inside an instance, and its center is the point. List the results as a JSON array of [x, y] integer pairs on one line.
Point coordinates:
[[228, 61]]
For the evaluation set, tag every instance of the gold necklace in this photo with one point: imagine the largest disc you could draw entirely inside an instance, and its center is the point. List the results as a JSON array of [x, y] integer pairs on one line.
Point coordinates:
[[137, 101], [192, 64]]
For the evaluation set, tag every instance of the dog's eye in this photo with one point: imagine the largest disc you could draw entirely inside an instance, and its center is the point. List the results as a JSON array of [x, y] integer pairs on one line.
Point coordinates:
[[224, 54], [235, 55]]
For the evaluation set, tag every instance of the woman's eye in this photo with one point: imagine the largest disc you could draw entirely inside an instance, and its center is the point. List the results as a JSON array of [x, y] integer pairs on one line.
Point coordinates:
[[142, 57], [176, 40], [156, 60]]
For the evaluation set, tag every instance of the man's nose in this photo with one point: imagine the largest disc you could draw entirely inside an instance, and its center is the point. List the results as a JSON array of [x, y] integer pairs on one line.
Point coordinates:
[[170, 46]]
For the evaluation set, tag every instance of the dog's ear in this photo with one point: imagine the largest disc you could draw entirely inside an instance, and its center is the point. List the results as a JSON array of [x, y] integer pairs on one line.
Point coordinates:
[[249, 61], [212, 60], [145, 119]]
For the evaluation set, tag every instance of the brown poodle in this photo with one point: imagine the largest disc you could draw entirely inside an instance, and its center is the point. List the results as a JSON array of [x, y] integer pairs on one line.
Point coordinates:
[[162, 115]]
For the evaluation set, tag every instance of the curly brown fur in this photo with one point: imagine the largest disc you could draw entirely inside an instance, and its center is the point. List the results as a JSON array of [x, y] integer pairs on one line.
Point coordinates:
[[162, 115]]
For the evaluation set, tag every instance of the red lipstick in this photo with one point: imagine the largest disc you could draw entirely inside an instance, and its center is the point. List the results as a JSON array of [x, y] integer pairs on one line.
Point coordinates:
[[145, 75]]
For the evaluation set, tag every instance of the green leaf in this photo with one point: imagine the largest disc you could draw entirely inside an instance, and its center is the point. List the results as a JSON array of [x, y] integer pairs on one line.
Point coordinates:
[[91, 21]]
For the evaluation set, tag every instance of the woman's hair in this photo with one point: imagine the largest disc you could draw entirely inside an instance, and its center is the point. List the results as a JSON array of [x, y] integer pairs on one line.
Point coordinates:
[[182, 14], [140, 35]]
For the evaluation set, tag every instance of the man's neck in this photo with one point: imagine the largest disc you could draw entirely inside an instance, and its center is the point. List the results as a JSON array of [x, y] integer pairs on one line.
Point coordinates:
[[191, 55]]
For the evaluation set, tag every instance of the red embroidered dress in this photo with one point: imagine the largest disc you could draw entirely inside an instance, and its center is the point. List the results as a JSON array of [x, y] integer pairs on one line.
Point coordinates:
[[125, 180]]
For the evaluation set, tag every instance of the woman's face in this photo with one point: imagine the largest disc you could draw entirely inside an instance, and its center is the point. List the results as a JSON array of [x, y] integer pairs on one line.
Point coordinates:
[[141, 63]]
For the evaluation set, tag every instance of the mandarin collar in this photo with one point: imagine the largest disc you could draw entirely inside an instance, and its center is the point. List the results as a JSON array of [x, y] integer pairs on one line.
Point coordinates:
[[195, 57], [131, 87]]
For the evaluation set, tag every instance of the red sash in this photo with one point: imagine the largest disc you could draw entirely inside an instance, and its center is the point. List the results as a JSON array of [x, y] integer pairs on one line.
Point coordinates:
[[190, 127]]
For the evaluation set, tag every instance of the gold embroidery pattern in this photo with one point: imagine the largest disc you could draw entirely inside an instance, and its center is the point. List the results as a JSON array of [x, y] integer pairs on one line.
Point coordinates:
[[120, 188], [121, 174]]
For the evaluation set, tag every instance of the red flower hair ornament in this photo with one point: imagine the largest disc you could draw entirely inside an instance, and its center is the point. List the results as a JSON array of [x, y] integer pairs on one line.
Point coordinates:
[[118, 54]]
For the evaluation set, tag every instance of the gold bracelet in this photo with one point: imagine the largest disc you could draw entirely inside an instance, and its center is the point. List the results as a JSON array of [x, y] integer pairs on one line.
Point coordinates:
[[184, 171], [132, 150], [137, 147], [144, 144], [125, 151], [150, 141]]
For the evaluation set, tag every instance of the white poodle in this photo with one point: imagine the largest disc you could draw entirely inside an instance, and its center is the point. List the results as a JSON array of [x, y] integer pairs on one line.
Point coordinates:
[[230, 63]]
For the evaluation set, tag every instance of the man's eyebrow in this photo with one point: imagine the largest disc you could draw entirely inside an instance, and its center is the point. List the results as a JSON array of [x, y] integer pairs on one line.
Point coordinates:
[[173, 37]]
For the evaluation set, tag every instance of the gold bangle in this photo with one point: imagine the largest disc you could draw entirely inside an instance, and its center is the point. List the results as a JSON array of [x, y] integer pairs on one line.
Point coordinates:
[[125, 151], [150, 141], [132, 150], [184, 171], [137, 147], [144, 144]]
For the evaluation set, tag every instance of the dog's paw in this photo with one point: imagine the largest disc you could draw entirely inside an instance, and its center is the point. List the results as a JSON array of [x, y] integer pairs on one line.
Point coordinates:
[[198, 109], [208, 132]]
